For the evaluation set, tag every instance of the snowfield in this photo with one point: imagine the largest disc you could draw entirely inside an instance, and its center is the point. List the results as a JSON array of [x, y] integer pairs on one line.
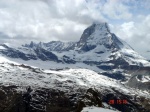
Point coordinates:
[[1, 47], [65, 79], [97, 109]]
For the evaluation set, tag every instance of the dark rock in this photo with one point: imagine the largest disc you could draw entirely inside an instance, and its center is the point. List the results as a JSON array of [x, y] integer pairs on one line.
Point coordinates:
[[45, 55], [66, 59], [117, 75]]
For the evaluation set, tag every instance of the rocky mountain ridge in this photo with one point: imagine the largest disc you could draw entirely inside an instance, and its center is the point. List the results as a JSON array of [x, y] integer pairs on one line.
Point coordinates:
[[97, 47]]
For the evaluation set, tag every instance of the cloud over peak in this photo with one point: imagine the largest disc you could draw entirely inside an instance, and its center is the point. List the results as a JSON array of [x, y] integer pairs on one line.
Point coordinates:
[[65, 20]]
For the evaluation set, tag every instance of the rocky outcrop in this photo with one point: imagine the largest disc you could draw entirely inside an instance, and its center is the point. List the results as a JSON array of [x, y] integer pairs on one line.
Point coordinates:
[[91, 98], [140, 79], [52, 100]]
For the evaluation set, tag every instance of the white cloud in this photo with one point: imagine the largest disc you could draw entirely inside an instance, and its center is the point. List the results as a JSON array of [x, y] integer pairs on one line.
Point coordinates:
[[125, 30], [115, 9], [136, 34], [65, 20], [45, 19]]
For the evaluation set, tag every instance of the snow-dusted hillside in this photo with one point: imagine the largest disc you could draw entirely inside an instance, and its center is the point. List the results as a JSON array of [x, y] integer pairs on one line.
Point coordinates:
[[73, 82], [98, 49], [21, 75], [24, 76]]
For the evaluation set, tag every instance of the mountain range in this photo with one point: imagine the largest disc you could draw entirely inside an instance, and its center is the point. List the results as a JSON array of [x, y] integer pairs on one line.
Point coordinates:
[[99, 60]]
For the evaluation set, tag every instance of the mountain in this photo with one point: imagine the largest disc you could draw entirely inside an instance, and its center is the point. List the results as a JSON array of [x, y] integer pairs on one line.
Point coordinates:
[[52, 46], [97, 44], [98, 34], [97, 49], [63, 90], [98, 68]]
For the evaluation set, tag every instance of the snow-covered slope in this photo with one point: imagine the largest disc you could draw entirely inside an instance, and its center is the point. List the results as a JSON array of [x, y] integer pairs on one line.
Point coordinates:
[[97, 44], [24, 76], [19, 75], [98, 49], [96, 109], [73, 82], [52, 46]]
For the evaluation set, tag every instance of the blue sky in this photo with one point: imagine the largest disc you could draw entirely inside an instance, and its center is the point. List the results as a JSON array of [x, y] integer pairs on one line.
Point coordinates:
[[46, 20]]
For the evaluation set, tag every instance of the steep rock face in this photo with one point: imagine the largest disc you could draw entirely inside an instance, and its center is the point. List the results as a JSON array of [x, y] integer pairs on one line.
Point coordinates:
[[52, 46], [98, 34], [53, 100], [140, 79], [45, 55], [28, 54]]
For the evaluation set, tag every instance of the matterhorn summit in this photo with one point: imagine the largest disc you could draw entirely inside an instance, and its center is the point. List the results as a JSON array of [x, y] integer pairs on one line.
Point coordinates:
[[97, 45], [99, 34]]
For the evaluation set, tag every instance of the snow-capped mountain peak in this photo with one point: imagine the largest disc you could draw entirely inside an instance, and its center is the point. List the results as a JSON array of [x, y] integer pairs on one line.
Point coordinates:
[[97, 46], [94, 32], [99, 34]]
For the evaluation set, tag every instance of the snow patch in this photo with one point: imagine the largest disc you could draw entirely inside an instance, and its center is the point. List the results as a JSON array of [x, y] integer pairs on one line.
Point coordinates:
[[97, 109], [2, 48]]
